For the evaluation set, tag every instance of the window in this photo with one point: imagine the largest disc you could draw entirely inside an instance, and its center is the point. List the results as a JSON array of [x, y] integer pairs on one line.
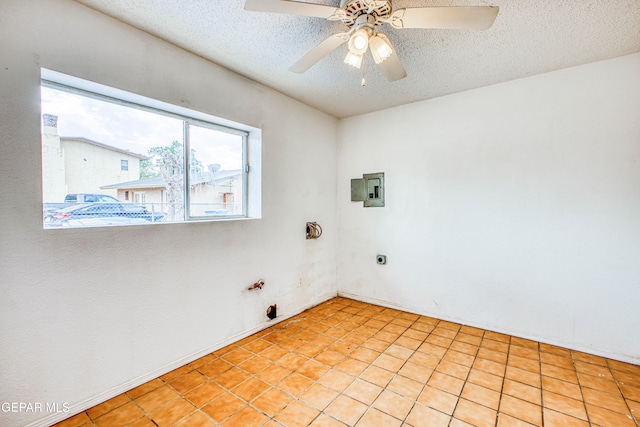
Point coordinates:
[[140, 197], [176, 164]]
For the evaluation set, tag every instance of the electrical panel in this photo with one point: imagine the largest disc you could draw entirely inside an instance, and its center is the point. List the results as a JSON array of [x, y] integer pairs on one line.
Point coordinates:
[[368, 189]]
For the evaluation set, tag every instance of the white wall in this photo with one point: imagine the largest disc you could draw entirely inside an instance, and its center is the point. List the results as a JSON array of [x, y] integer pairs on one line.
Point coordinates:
[[88, 313], [514, 207]]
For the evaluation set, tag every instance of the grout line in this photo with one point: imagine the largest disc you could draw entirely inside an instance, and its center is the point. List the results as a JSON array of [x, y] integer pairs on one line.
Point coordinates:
[[475, 357], [504, 379], [584, 402], [359, 314], [541, 392], [406, 417], [624, 398]]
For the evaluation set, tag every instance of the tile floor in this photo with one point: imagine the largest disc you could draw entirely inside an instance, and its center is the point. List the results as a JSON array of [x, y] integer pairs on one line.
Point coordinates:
[[348, 363]]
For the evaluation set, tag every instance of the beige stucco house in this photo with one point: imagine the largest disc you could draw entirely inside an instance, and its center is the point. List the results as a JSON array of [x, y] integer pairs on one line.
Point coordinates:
[[81, 165], [218, 192]]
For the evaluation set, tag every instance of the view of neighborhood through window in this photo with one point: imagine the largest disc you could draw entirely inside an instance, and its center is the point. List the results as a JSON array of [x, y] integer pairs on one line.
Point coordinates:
[[106, 162]]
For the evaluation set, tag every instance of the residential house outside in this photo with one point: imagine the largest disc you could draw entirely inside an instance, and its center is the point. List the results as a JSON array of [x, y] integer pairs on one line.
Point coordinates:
[[211, 193], [81, 165]]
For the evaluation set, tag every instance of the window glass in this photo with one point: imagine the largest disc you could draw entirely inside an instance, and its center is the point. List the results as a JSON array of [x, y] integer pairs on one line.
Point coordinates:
[[175, 168], [215, 169]]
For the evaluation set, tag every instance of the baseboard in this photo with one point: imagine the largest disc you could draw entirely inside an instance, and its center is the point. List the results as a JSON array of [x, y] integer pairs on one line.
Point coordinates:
[[104, 396], [546, 340]]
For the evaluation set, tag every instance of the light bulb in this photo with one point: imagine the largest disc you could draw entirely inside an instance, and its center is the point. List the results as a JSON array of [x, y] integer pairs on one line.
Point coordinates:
[[380, 48], [359, 42], [353, 59]]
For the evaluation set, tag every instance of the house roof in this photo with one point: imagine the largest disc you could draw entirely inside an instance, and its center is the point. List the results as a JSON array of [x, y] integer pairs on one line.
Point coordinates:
[[158, 182], [102, 145]]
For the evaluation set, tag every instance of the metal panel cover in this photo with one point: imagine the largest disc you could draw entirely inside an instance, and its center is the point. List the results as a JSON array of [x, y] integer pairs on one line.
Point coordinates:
[[358, 193]]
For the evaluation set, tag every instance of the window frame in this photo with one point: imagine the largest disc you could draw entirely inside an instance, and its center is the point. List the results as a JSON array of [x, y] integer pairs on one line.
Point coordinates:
[[187, 164], [250, 135]]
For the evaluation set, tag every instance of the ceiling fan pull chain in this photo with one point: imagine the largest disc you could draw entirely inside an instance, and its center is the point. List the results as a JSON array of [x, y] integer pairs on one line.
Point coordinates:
[[363, 80]]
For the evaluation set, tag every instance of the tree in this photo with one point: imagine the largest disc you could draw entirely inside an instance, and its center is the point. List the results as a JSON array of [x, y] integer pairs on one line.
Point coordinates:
[[168, 162], [151, 168]]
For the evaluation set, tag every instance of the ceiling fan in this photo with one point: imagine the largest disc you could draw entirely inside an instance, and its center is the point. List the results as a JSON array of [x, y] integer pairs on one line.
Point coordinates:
[[363, 19]]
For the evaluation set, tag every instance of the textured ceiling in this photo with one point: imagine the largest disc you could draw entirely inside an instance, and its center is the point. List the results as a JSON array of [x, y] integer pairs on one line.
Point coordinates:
[[528, 37]]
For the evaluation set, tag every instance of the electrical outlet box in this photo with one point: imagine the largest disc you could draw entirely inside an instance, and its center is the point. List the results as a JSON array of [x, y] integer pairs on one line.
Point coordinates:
[[368, 189], [272, 311]]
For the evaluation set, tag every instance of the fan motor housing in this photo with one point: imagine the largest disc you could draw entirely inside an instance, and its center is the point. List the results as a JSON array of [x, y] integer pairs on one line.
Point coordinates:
[[375, 8]]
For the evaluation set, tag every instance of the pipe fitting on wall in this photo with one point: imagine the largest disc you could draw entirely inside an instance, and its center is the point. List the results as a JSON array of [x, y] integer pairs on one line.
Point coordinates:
[[313, 230], [258, 285]]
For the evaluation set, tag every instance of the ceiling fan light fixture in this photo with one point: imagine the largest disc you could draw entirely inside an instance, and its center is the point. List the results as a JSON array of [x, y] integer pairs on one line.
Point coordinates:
[[380, 48], [364, 17], [359, 41], [355, 60]]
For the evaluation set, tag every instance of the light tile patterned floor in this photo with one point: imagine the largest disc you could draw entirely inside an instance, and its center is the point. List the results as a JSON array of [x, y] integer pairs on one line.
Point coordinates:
[[350, 363]]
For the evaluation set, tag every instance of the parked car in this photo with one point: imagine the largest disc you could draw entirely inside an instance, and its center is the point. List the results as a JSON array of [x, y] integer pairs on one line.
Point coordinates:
[[99, 214], [89, 198], [76, 198]]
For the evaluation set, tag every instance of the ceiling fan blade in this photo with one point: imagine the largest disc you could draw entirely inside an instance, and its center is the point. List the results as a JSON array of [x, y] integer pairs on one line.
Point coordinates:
[[319, 52], [291, 7], [392, 67], [459, 18]]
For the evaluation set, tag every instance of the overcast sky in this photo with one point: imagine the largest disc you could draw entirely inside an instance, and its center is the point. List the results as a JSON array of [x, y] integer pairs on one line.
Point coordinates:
[[136, 130]]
